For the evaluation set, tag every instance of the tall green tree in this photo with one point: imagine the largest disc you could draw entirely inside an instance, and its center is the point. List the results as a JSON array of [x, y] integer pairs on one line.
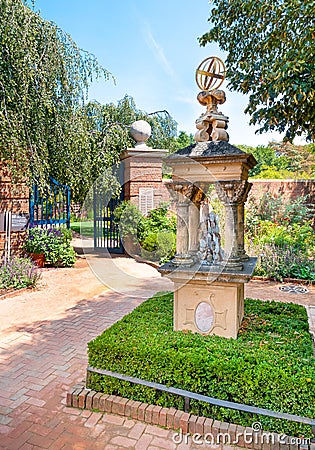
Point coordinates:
[[44, 80], [104, 134], [46, 125], [271, 57]]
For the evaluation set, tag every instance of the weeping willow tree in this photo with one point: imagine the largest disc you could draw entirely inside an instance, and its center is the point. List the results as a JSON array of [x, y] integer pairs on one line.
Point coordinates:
[[44, 79], [46, 127], [107, 131]]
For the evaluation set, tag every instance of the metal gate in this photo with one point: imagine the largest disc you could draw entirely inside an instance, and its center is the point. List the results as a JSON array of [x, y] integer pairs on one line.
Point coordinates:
[[51, 207], [106, 230]]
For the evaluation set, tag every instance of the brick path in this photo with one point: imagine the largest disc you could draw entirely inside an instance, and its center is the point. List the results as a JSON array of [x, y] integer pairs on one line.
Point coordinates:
[[39, 362]]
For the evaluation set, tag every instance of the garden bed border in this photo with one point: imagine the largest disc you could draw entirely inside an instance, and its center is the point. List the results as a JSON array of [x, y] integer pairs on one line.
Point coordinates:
[[171, 418]]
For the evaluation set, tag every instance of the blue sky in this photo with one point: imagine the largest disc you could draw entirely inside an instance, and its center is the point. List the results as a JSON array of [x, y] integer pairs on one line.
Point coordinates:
[[152, 50]]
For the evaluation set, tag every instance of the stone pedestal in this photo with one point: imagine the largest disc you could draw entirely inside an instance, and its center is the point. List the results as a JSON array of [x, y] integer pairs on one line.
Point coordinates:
[[216, 309], [208, 301]]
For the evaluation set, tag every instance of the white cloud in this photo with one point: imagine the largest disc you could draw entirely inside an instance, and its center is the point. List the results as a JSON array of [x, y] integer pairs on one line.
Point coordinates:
[[158, 52]]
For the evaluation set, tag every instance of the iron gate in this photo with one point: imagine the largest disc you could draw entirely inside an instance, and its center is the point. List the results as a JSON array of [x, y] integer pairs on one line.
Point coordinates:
[[106, 230], [51, 207]]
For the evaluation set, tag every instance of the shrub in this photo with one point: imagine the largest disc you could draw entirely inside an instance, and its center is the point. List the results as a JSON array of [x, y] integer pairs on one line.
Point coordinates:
[[270, 365], [276, 209], [283, 262], [53, 243], [153, 234], [159, 246], [158, 219], [281, 232], [18, 273], [129, 218]]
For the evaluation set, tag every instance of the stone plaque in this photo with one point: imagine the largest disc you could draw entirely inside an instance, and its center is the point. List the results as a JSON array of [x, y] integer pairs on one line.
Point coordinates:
[[204, 317], [146, 200], [19, 222]]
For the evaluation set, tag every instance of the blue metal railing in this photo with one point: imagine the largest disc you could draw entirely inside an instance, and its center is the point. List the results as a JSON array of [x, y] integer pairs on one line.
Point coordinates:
[[51, 207]]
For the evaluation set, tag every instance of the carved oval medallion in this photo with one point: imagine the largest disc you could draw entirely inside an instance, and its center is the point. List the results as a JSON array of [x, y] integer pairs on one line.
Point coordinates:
[[204, 317]]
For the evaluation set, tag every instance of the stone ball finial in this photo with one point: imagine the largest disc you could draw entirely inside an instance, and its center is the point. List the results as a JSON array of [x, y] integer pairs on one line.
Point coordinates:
[[140, 131]]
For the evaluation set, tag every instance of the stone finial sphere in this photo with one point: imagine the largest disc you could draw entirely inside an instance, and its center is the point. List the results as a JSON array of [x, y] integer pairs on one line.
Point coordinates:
[[140, 131]]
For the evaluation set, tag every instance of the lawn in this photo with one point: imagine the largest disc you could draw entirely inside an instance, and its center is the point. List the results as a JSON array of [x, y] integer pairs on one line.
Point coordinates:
[[84, 228], [270, 365]]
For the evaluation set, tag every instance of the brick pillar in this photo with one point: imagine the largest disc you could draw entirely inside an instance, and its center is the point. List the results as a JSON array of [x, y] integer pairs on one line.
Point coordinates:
[[142, 169], [14, 197]]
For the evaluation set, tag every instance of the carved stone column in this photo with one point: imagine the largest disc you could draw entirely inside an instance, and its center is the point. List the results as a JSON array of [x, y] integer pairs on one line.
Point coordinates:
[[181, 195], [197, 196], [194, 221], [241, 223], [232, 194]]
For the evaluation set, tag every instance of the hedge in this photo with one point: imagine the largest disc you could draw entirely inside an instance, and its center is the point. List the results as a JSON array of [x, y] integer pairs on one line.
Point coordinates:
[[270, 365]]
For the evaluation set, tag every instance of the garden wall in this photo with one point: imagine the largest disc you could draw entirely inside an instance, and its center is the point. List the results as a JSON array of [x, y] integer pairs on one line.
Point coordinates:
[[288, 189], [14, 198]]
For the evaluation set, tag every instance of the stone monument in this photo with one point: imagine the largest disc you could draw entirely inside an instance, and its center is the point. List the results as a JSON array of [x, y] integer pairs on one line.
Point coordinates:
[[209, 281]]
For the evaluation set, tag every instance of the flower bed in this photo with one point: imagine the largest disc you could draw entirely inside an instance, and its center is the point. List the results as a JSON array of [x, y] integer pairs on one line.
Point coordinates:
[[18, 273], [53, 244]]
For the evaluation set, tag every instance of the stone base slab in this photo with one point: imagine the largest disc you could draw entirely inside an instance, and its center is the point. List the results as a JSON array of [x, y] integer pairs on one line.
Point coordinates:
[[81, 397]]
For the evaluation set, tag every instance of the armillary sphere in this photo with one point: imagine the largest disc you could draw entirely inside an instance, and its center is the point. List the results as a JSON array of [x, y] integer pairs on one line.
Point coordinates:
[[210, 74]]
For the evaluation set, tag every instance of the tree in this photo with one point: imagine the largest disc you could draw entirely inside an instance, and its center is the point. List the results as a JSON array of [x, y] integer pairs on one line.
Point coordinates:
[[183, 140], [46, 126], [282, 161], [104, 134], [44, 80], [271, 56]]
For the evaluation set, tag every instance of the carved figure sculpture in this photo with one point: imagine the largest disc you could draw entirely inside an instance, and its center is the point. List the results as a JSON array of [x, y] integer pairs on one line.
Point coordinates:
[[210, 251]]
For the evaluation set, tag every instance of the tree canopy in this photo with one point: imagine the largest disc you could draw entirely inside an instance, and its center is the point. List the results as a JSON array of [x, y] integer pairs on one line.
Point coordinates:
[[104, 134], [46, 125], [44, 78], [271, 56], [282, 161]]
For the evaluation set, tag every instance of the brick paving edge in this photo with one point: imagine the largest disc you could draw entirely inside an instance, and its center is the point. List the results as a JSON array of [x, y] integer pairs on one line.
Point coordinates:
[[15, 292], [81, 397]]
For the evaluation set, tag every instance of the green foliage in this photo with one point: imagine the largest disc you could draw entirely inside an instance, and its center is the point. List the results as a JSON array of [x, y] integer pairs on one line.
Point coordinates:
[[281, 233], [53, 243], [159, 246], [129, 218], [158, 236], [282, 261], [282, 161], [18, 273], [44, 78], [271, 58], [276, 209], [46, 126], [270, 365], [183, 140], [155, 233]]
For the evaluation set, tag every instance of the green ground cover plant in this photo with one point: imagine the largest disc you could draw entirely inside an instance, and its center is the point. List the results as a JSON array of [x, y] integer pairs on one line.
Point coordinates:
[[54, 243], [270, 365], [17, 273]]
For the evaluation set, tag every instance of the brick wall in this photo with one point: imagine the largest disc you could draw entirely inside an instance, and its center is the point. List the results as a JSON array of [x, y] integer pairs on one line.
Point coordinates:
[[143, 172], [14, 197], [288, 189]]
